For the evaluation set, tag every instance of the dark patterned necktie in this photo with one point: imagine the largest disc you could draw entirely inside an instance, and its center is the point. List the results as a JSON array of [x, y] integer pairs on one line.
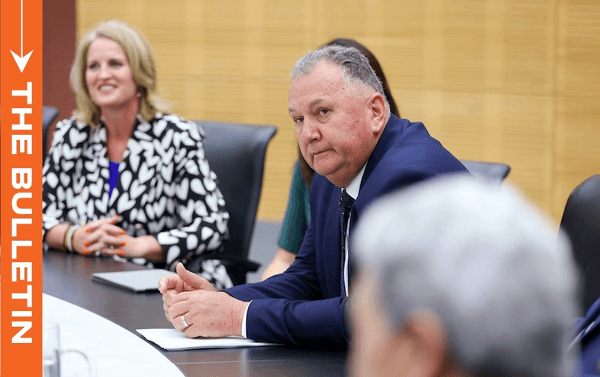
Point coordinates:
[[346, 202]]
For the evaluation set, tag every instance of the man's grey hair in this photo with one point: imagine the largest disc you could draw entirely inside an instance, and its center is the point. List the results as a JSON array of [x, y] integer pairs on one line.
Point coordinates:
[[486, 262], [354, 66]]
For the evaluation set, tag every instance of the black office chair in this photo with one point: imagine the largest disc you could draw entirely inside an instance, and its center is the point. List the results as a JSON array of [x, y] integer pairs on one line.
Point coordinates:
[[492, 171], [49, 114], [236, 153], [581, 223]]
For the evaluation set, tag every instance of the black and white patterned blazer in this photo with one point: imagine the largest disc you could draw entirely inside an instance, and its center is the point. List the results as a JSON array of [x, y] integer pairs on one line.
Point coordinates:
[[165, 188]]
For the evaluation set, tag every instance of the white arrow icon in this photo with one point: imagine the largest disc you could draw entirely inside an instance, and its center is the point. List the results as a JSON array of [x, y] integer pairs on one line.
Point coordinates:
[[20, 59]]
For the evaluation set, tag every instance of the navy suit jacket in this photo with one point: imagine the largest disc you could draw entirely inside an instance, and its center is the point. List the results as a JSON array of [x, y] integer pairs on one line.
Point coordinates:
[[304, 305]]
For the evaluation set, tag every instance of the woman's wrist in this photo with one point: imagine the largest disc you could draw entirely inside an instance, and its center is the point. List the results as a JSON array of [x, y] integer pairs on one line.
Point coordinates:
[[150, 248], [55, 236]]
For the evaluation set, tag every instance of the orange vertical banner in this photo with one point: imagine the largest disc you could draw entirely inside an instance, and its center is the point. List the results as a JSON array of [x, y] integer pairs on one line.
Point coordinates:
[[21, 182]]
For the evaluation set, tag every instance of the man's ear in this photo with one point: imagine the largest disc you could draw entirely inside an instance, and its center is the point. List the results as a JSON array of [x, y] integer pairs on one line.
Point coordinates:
[[378, 112], [424, 338]]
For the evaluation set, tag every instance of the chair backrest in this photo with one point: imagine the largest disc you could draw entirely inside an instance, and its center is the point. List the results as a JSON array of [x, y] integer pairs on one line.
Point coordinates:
[[236, 153], [49, 114], [493, 171], [581, 223]]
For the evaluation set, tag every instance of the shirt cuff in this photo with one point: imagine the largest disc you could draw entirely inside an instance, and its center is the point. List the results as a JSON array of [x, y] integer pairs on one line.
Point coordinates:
[[244, 320]]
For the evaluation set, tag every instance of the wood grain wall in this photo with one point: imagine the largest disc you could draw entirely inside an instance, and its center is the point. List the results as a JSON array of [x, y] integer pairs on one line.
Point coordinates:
[[514, 81]]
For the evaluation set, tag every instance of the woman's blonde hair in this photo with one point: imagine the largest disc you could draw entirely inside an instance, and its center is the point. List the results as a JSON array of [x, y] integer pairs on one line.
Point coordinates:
[[141, 61]]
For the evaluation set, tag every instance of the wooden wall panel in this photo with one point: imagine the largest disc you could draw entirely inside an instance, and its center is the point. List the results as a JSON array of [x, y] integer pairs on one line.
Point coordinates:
[[514, 81], [577, 144]]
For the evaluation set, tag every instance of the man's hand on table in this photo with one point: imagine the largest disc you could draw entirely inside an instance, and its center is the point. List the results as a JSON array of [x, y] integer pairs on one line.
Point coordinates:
[[207, 312]]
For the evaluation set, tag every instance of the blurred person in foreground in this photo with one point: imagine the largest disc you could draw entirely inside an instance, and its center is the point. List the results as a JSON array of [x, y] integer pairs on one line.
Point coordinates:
[[297, 213], [459, 277], [124, 178], [359, 152]]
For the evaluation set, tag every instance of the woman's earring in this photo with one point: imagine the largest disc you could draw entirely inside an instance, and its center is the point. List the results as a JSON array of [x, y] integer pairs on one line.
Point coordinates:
[[139, 94]]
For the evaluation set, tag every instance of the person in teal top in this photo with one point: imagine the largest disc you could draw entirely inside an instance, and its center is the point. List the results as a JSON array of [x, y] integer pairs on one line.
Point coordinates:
[[295, 223], [297, 214]]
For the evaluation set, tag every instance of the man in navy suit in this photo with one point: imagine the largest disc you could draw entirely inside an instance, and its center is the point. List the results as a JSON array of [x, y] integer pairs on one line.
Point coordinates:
[[360, 152]]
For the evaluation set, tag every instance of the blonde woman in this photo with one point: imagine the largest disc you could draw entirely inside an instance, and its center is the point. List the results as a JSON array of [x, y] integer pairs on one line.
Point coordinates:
[[123, 178]]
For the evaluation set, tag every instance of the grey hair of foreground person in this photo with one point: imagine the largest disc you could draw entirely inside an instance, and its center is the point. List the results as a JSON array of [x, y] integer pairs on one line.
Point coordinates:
[[486, 262], [354, 67]]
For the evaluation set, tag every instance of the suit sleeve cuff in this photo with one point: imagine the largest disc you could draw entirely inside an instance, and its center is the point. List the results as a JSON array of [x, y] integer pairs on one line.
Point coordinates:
[[244, 333]]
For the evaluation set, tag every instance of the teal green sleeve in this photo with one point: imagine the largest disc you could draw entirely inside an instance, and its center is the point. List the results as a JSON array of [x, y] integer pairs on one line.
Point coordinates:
[[297, 214]]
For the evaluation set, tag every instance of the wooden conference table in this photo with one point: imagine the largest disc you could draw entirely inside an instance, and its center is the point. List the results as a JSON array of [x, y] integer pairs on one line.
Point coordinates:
[[68, 277]]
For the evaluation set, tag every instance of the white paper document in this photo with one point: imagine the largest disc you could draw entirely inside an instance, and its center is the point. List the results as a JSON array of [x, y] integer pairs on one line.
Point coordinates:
[[173, 340]]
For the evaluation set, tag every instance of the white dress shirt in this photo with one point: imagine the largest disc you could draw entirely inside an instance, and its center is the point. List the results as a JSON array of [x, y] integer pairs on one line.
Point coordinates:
[[352, 189]]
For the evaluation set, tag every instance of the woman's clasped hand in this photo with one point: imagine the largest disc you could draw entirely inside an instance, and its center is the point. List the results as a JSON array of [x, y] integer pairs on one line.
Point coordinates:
[[103, 237]]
